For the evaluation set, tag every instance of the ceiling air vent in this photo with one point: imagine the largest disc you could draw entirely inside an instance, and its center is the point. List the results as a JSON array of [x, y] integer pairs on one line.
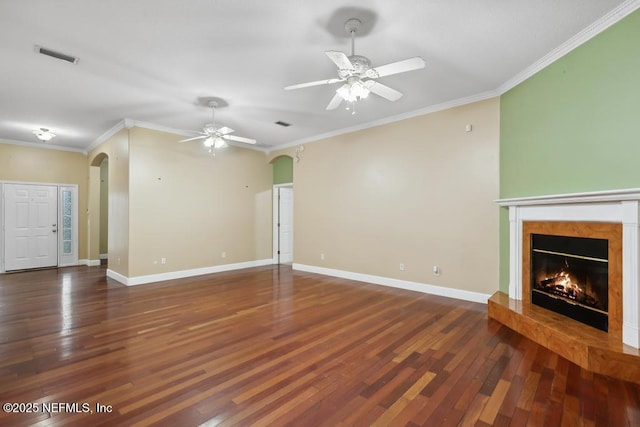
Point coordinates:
[[284, 124], [57, 55]]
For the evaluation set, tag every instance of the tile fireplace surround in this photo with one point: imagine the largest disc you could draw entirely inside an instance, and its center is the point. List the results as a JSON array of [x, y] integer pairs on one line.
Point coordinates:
[[615, 206]]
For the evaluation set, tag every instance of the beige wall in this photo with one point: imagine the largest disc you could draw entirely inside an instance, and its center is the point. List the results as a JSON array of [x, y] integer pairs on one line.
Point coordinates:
[[419, 192], [188, 206], [42, 165], [117, 150]]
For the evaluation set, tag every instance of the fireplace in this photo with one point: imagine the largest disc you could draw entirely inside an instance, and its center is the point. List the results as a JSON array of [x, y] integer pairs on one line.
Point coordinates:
[[612, 216], [569, 275]]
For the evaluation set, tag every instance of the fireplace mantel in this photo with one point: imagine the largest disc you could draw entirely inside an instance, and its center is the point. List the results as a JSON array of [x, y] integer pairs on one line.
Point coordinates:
[[615, 206], [629, 194]]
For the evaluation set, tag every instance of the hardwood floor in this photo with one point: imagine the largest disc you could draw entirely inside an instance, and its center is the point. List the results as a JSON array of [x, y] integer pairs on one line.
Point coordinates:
[[271, 346]]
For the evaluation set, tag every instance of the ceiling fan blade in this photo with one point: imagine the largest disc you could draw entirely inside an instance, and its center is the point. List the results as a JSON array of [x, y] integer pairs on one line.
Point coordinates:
[[224, 130], [316, 83], [335, 102], [340, 59], [195, 137], [410, 64], [385, 91], [239, 139]]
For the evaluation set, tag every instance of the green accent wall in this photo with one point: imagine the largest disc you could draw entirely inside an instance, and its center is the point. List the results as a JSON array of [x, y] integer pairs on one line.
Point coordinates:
[[282, 170], [573, 127]]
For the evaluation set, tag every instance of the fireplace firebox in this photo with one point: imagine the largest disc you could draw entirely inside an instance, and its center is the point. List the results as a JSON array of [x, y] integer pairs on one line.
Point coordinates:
[[569, 275]]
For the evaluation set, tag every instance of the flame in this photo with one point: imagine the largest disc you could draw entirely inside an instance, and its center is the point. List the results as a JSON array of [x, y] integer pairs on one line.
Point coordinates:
[[564, 283], [561, 284]]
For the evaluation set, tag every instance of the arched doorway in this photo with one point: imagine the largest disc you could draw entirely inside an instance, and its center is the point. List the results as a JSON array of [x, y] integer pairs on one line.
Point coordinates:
[[99, 210]]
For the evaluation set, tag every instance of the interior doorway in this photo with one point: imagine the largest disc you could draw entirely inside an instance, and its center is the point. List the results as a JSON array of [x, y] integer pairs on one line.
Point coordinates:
[[104, 210], [283, 224], [98, 211]]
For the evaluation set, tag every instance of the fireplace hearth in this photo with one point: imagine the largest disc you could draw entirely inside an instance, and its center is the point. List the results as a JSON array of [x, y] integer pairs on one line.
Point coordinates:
[[569, 275]]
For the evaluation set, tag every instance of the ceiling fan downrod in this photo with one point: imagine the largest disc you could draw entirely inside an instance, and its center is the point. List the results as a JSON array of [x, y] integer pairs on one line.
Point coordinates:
[[213, 105], [351, 26]]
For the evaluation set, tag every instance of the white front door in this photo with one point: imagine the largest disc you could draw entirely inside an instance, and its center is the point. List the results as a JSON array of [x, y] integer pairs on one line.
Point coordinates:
[[285, 212], [31, 226]]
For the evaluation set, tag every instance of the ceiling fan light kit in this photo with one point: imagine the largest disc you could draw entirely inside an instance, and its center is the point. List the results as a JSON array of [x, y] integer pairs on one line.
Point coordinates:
[[358, 76], [212, 143], [354, 90]]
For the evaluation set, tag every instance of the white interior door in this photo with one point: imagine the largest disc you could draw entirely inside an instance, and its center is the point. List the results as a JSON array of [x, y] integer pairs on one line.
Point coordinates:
[[285, 220], [31, 226]]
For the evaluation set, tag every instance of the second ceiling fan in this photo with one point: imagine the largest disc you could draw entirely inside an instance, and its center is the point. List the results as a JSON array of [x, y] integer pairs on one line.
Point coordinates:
[[216, 136], [358, 76]]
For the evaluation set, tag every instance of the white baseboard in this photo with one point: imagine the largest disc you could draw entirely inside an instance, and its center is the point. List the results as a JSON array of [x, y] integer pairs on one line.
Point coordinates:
[[90, 262], [397, 283], [104, 256], [141, 280], [117, 276], [73, 264]]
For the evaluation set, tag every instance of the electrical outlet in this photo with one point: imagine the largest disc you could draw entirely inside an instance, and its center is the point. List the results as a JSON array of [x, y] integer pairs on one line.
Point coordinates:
[[163, 261], [401, 267], [322, 257], [223, 254]]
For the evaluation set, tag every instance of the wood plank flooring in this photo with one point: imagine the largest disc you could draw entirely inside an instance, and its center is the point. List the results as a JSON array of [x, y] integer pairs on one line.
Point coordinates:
[[272, 346]]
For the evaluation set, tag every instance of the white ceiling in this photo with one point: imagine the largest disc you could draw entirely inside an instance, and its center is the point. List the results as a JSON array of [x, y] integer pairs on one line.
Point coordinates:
[[151, 60]]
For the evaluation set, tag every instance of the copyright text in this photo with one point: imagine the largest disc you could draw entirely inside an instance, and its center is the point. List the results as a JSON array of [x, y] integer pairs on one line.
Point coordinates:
[[55, 408]]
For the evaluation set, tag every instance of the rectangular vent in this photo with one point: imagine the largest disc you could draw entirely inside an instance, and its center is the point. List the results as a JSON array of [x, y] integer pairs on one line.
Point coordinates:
[[57, 55], [281, 123]]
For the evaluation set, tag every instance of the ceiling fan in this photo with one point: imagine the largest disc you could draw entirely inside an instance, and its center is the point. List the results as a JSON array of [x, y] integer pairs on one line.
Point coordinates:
[[359, 76], [217, 136]]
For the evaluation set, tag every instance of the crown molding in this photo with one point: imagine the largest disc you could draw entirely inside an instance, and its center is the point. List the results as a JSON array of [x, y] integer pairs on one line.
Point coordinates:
[[611, 18], [391, 119], [131, 123], [105, 136], [46, 146]]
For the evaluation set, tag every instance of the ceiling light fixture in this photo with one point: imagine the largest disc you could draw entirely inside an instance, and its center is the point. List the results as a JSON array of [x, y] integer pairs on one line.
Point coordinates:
[[214, 142], [358, 76], [44, 134], [354, 90], [217, 136]]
